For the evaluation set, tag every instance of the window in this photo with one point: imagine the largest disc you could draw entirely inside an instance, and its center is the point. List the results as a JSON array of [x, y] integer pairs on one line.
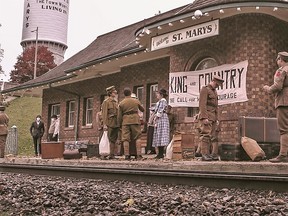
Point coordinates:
[[71, 113], [139, 93], [205, 63], [55, 109], [88, 109], [152, 95]]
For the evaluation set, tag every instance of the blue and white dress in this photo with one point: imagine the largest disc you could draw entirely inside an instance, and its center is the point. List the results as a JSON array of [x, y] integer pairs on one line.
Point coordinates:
[[161, 129]]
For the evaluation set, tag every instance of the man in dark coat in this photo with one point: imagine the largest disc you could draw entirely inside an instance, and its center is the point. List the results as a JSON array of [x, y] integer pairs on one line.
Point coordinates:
[[37, 130], [208, 119], [4, 119], [130, 123]]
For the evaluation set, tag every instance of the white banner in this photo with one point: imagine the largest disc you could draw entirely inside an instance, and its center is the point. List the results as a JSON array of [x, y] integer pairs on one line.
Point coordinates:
[[184, 87], [192, 33]]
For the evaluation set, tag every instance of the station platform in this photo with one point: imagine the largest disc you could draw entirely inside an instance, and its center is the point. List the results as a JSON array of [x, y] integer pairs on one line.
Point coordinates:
[[245, 167]]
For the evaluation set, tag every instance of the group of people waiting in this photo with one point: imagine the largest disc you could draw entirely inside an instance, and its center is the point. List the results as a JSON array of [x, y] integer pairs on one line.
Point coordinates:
[[122, 121]]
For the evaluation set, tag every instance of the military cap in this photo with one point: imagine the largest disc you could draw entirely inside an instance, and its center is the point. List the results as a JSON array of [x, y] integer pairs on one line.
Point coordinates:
[[218, 80], [110, 89], [283, 54]]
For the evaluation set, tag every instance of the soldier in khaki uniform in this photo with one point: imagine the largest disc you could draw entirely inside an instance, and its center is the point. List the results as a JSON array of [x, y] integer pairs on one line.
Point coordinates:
[[109, 116], [130, 123], [280, 90], [208, 119], [4, 119]]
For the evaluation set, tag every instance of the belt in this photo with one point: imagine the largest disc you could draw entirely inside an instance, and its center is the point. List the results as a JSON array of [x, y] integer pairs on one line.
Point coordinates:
[[130, 113]]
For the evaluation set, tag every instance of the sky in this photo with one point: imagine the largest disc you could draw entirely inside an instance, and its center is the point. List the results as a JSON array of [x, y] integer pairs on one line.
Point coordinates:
[[87, 20]]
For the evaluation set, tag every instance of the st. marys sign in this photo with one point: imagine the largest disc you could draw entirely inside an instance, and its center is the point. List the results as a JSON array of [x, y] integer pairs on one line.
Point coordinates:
[[184, 87], [192, 33]]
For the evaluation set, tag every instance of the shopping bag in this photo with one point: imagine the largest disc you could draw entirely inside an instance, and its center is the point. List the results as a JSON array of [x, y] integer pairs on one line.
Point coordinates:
[[169, 149], [104, 145]]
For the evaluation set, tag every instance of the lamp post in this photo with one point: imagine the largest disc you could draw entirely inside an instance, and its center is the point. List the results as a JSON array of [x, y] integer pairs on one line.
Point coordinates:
[[36, 49]]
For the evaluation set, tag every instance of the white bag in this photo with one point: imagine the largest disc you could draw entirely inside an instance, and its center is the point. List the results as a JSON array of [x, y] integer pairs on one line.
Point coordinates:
[[104, 145], [169, 150]]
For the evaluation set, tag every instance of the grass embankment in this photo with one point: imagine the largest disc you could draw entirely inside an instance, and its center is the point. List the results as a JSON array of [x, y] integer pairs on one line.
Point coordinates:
[[22, 112]]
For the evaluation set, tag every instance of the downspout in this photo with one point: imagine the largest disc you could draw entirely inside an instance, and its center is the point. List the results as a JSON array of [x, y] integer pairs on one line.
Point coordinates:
[[78, 109]]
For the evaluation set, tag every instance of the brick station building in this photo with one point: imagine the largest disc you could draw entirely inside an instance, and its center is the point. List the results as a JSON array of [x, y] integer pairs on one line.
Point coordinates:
[[142, 55]]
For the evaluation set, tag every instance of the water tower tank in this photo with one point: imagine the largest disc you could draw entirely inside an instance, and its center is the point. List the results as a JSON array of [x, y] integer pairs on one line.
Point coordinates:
[[51, 18]]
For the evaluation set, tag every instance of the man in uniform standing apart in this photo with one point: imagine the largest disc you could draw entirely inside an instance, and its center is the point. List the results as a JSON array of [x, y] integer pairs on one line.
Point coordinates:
[[4, 119], [109, 116], [280, 90], [208, 119], [130, 123]]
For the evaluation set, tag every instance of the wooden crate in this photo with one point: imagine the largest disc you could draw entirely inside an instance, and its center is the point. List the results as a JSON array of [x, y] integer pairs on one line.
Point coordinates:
[[183, 146]]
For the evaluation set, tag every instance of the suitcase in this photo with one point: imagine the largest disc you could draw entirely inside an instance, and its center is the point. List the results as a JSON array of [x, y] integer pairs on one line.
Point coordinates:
[[261, 129], [252, 148], [72, 154], [92, 150]]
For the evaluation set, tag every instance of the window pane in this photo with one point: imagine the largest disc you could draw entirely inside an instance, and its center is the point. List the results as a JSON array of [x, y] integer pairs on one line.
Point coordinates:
[[153, 98], [89, 111], [71, 113]]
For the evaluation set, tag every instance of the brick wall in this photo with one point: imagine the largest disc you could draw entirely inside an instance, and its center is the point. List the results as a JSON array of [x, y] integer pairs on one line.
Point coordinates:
[[256, 38]]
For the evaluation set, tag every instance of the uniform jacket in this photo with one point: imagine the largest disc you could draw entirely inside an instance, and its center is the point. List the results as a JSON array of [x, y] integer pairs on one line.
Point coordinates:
[[37, 130], [109, 112], [4, 120], [208, 103], [280, 87], [128, 111]]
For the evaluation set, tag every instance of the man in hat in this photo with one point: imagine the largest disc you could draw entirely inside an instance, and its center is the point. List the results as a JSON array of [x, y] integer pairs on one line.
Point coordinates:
[[280, 91], [109, 110], [129, 120], [4, 119], [208, 119]]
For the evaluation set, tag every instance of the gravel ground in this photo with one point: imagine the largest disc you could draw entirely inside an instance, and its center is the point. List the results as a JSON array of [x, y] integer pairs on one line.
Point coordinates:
[[42, 195]]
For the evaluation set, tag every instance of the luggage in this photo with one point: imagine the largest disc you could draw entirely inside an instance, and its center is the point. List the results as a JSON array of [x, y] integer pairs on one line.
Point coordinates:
[[92, 150], [261, 129], [72, 154], [252, 148], [52, 150]]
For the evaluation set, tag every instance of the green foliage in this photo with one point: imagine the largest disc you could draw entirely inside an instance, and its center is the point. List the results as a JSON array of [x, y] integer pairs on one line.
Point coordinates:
[[22, 112]]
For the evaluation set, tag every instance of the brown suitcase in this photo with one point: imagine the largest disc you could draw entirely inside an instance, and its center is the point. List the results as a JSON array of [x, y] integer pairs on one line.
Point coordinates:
[[72, 154], [261, 129]]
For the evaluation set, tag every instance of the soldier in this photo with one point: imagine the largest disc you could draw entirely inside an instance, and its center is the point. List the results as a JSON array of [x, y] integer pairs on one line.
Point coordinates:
[[4, 119], [280, 91], [208, 119], [130, 123], [109, 116]]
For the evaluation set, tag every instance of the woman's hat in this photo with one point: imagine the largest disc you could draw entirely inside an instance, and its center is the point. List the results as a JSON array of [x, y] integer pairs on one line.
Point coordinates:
[[163, 92]]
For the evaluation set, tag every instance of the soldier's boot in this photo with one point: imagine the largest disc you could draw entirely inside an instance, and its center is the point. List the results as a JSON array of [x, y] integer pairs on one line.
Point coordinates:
[[198, 151], [138, 149], [126, 150], [2, 149], [282, 157], [205, 150], [215, 154], [112, 149]]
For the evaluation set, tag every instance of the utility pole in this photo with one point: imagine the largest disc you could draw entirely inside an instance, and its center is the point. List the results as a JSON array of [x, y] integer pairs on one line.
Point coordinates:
[[36, 50]]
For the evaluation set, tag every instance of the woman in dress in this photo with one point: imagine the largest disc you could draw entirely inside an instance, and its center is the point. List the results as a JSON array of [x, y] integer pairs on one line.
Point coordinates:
[[161, 133]]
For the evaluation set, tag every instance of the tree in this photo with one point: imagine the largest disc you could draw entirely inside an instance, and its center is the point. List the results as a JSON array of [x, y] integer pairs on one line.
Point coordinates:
[[24, 67]]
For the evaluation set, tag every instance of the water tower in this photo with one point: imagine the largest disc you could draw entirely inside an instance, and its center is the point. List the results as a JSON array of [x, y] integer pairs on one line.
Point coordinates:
[[45, 22]]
